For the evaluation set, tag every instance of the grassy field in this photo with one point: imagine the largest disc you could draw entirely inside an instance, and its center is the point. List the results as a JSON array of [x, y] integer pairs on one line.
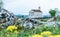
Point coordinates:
[[40, 31]]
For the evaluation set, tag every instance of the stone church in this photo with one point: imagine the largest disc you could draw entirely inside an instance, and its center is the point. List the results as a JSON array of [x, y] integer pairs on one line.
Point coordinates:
[[35, 13]]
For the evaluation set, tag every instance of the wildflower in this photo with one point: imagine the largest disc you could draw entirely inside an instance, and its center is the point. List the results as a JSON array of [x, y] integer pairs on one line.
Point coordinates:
[[50, 36], [16, 31], [11, 28], [57, 35], [30, 36], [37, 35], [46, 33]]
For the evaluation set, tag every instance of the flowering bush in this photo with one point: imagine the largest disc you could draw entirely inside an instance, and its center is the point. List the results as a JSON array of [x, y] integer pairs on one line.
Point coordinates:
[[16, 31], [37, 35], [11, 28], [46, 33], [51, 36], [57, 35]]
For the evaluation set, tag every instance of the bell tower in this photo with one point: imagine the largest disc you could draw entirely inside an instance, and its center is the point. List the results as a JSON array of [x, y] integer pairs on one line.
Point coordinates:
[[39, 8]]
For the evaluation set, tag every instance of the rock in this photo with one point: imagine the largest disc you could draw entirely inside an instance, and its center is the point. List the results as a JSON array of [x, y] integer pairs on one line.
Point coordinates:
[[28, 25], [7, 18]]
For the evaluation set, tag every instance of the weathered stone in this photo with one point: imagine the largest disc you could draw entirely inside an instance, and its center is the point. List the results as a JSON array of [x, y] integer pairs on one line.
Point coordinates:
[[7, 18]]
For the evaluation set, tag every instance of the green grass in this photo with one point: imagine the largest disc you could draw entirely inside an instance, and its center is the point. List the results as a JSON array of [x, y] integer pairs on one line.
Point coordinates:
[[26, 33]]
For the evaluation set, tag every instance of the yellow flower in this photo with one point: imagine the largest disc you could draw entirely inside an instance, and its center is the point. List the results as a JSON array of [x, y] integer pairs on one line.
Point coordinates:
[[57, 35], [11, 28], [46, 33], [50, 36], [37, 35], [30, 36], [16, 31]]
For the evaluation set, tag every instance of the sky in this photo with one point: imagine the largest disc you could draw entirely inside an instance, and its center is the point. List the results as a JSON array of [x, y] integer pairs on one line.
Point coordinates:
[[24, 6]]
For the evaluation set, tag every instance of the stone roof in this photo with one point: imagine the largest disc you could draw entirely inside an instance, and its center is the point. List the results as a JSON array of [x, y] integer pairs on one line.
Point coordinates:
[[36, 10]]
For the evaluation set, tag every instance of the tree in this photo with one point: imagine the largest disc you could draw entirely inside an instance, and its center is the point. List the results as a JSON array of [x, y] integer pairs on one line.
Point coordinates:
[[52, 13], [1, 4]]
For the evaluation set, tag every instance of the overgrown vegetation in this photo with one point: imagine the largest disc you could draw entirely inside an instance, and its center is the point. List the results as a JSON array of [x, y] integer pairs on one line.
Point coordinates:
[[30, 32]]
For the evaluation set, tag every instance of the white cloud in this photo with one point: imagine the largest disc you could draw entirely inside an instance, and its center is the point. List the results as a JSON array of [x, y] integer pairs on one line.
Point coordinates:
[[23, 6]]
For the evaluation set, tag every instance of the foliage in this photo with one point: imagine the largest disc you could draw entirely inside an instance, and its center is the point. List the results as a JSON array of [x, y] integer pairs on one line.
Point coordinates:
[[40, 31], [52, 13]]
